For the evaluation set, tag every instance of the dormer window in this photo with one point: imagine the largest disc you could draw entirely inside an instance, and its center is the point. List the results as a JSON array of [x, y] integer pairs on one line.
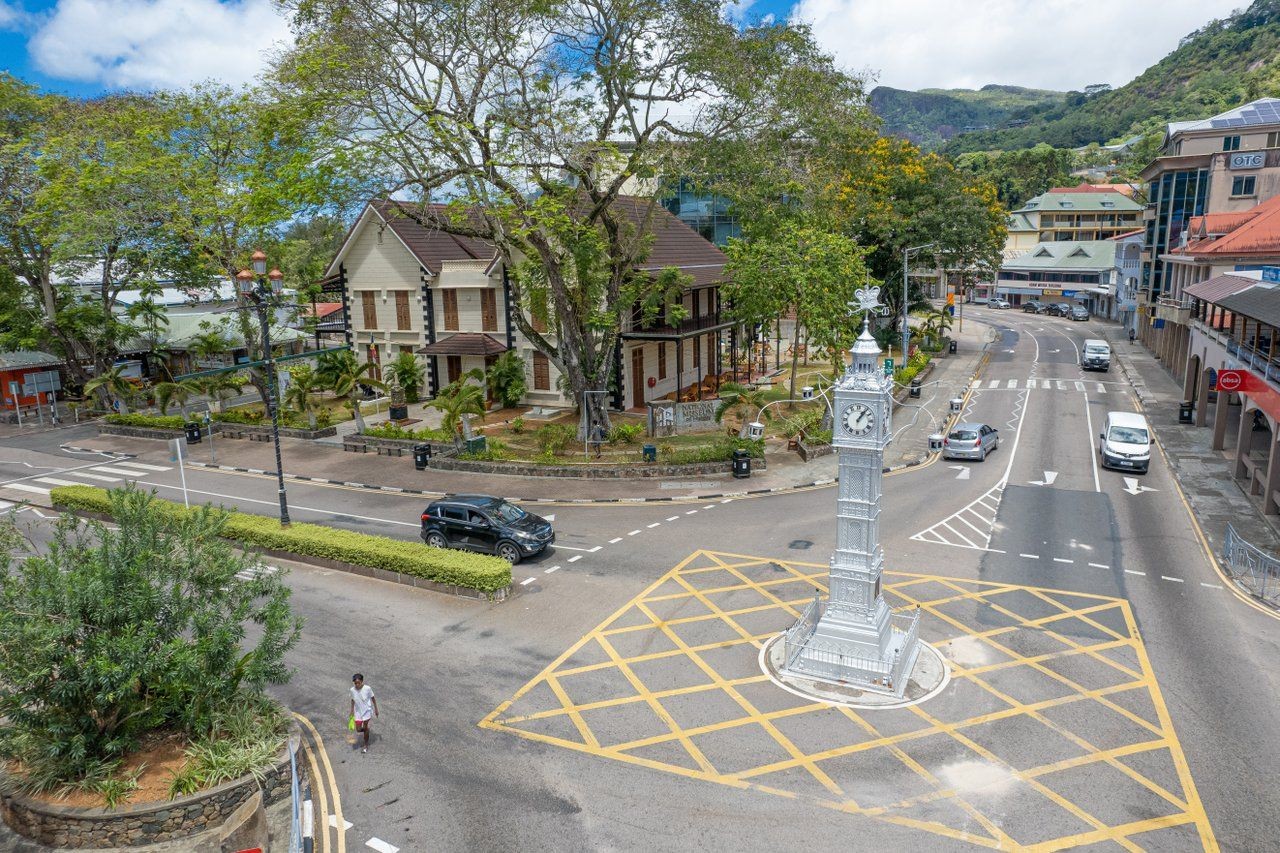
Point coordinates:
[[1066, 205], [1032, 205], [1108, 204]]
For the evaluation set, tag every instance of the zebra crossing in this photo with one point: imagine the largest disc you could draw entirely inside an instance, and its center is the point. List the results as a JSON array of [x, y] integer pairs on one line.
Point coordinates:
[[254, 572], [118, 471], [970, 527], [1040, 384]]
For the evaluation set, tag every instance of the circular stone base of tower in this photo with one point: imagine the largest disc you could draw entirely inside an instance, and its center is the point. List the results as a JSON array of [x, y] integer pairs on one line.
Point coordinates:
[[928, 678]]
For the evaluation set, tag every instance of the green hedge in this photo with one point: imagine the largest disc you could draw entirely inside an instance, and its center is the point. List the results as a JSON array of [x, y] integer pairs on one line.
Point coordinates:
[[461, 568], [390, 430], [721, 451], [175, 422]]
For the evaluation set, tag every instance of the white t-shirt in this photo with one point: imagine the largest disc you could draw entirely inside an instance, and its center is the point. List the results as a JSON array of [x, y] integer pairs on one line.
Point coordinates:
[[364, 702]]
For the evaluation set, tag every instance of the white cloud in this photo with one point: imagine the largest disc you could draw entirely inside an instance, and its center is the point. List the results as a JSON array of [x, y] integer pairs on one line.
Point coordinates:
[[9, 16], [152, 44], [1050, 44]]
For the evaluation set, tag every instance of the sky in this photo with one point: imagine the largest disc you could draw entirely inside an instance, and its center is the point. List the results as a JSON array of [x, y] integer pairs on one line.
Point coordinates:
[[86, 47]]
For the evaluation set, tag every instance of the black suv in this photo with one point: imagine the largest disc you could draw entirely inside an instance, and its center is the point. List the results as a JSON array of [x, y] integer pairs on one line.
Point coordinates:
[[487, 524], [1033, 305], [1058, 309]]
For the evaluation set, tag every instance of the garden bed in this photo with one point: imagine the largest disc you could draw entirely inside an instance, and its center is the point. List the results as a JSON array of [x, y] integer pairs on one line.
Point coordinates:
[[356, 443], [590, 470], [256, 432]]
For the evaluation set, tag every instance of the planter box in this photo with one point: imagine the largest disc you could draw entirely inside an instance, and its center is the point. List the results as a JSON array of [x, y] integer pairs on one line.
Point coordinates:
[[592, 472], [261, 432], [146, 432], [356, 443]]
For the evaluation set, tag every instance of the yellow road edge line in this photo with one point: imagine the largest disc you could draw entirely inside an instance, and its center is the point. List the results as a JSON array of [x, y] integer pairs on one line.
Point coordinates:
[[333, 782], [324, 800]]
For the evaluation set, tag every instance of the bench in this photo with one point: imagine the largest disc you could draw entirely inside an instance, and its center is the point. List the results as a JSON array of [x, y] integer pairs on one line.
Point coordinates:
[[259, 436]]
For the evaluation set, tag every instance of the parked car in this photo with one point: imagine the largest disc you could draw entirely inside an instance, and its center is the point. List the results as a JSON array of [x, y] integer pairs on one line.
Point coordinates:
[[970, 441], [1033, 306], [1095, 355], [486, 524], [997, 302], [1058, 309], [1125, 442], [1079, 312]]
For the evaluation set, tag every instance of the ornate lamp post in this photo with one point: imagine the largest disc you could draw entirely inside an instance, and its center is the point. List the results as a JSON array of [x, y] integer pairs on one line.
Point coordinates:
[[262, 289]]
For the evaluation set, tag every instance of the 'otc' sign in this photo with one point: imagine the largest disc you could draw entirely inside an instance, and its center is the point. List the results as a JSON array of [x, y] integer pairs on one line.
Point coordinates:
[[1230, 380]]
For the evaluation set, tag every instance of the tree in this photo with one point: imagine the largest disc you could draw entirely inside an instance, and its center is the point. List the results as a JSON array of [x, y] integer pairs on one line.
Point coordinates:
[[531, 118], [505, 378], [806, 269], [936, 323], [114, 633], [112, 385], [300, 396], [745, 402], [348, 376], [408, 373], [461, 397], [168, 393]]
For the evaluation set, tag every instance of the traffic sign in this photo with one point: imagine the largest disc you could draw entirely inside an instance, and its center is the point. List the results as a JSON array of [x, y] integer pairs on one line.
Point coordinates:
[[888, 367]]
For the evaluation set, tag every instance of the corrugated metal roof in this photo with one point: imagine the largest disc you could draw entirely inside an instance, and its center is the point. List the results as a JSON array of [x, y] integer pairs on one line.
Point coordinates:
[[1260, 302], [27, 358], [465, 343], [1213, 289], [1081, 202], [1067, 254]]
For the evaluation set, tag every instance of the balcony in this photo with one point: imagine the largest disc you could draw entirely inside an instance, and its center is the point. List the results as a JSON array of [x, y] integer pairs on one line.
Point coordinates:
[[1261, 362], [683, 329], [1173, 310]]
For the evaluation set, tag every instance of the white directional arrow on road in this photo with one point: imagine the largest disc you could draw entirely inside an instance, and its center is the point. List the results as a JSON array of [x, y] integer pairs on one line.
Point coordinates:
[[550, 517], [1131, 486], [964, 472], [1055, 350], [1049, 477]]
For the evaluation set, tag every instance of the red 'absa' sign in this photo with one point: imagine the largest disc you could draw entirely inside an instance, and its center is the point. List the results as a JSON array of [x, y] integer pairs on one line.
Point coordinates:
[[1230, 380]]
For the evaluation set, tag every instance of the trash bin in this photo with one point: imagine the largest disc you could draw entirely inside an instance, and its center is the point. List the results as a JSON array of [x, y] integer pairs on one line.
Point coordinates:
[[193, 432], [935, 442], [421, 456], [915, 387], [1185, 410], [951, 347], [650, 453], [475, 445], [741, 464]]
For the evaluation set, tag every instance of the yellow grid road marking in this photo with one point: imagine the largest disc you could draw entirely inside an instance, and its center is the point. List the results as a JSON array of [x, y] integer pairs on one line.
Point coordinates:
[[739, 715]]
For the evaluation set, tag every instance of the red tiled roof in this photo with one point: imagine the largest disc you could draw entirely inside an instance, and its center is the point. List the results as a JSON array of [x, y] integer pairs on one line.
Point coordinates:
[[1219, 286], [323, 309], [465, 343], [1252, 232], [1122, 189], [1133, 233]]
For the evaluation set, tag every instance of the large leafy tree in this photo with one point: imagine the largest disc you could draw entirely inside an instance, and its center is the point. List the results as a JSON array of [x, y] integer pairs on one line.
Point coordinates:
[[535, 117]]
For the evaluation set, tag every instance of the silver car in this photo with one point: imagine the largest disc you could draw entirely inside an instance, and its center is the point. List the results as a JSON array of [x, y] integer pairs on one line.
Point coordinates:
[[970, 441]]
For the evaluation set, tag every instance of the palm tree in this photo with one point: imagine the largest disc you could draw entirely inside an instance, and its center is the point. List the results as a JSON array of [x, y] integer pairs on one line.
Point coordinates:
[[168, 393], [219, 386], [349, 376], [742, 401], [459, 398], [300, 396], [408, 373], [935, 324], [113, 385]]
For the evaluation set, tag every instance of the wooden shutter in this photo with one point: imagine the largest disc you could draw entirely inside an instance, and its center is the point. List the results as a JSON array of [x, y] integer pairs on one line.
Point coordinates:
[[541, 372], [489, 310], [402, 309], [662, 359], [455, 366], [450, 298], [370, 308]]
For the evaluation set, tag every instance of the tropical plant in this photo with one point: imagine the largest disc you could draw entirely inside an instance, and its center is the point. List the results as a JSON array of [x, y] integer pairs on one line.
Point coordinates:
[[407, 372], [458, 398], [169, 393], [112, 385], [219, 387], [301, 393], [742, 401], [349, 375], [506, 379], [936, 323], [625, 433], [554, 438]]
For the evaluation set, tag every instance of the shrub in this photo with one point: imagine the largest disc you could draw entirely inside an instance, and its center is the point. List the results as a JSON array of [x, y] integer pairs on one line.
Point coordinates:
[[240, 741], [554, 438], [390, 430], [517, 425], [249, 417], [625, 433], [802, 421], [460, 568], [175, 422], [494, 451], [506, 379], [721, 451]]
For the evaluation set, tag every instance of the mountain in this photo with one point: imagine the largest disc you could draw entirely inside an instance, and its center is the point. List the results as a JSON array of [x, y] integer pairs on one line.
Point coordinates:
[[930, 117], [1226, 63]]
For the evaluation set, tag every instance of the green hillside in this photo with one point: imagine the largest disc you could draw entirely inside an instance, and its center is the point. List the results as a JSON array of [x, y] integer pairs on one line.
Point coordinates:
[[930, 117], [1222, 65]]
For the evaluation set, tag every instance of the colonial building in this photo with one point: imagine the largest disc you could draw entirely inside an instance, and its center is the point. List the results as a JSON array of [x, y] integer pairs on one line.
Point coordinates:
[[1081, 213], [411, 288], [1087, 272]]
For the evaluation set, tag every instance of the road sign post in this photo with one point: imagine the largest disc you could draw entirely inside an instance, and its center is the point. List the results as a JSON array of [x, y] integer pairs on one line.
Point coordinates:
[[175, 451], [888, 367]]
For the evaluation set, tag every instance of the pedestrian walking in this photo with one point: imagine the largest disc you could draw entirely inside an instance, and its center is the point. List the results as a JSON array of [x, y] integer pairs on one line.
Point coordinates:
[[364, 707], [1132, 335], [597, 436]]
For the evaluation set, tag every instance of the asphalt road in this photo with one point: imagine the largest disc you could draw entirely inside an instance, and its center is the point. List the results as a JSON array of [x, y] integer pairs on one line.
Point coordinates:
[[1108, 689]]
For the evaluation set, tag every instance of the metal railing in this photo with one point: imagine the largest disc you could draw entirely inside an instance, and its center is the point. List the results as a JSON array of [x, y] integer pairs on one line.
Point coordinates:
[[912, 631], [1251, 567], [798, 634]]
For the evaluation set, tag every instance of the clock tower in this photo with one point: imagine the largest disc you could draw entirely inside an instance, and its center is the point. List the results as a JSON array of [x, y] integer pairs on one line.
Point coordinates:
[[853, 638]]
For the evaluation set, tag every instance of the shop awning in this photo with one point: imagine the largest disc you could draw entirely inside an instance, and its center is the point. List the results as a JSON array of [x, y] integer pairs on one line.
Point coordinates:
[[1213, 289], [465, 343]]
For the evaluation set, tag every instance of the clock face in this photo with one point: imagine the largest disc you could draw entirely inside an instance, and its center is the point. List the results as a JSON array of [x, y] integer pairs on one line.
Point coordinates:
[[859, 420]]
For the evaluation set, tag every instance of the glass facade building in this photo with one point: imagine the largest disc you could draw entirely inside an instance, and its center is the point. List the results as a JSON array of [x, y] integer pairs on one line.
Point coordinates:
[[705, 213], [1175, 197]]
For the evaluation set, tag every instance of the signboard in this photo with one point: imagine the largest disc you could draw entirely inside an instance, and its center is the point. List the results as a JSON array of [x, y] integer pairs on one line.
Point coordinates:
[[1271, 274], [1048, 292], [1252, 386], [888, 367], [43, 382], [668, 418], [1230, 380], [1247, 160]]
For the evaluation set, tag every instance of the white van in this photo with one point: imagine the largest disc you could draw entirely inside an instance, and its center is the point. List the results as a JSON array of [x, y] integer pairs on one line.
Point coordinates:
[[1125, 442], [1095, 355]]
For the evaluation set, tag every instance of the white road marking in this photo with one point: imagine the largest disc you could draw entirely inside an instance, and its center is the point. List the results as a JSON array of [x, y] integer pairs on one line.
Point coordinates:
[[5, 505], [593, 550], [131, 464], [558, 547], [575, 558], [381, 846], [615, 540], [100, 477], [1062, 560], [1132, 572], [963, 469], [674, 518], [1167, 578], [1211, 585], [1049, 477], [23, 487], [1030, 556], [691, 512], [527, 581], [1102, 389], [333, 821], [550, 570], [655, 524], [1062, 386], [105, 469], [1093, 457], [709, 506], [726, 500], [1079, 386], [995, 383], [945, 532], [328, 512], [1011, 384], [1099, 566], [551, 517], [54, 481], [1131, 486], [633, 533]]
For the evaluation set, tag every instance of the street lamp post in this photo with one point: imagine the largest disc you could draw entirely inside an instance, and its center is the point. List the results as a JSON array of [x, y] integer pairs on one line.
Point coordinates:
[[906, 327], [262, 288]]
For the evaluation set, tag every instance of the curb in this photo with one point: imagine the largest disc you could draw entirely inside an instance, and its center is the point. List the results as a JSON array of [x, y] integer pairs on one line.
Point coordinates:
[[111, 453]]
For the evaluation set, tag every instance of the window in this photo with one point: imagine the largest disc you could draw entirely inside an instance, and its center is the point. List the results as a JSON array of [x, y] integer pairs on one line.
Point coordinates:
[[454, 366], [453, 513], [1273, 139], [489, 310], [541, 372], [450, 299], [1231, 143], [1108, 204], [402, 310], [370, 308], [662, 359], [1067, 205], [1242, 185]]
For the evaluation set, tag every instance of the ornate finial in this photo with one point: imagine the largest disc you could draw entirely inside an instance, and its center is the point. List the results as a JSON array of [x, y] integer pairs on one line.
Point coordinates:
[[867, 299]]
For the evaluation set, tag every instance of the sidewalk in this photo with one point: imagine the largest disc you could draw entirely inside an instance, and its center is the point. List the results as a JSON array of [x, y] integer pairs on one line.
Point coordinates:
[[1203, 473]]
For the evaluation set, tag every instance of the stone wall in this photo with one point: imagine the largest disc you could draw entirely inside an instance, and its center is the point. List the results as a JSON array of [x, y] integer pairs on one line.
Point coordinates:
[[67, 827], [589, 471], [356, 443], [105, 428], [263, 431]]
